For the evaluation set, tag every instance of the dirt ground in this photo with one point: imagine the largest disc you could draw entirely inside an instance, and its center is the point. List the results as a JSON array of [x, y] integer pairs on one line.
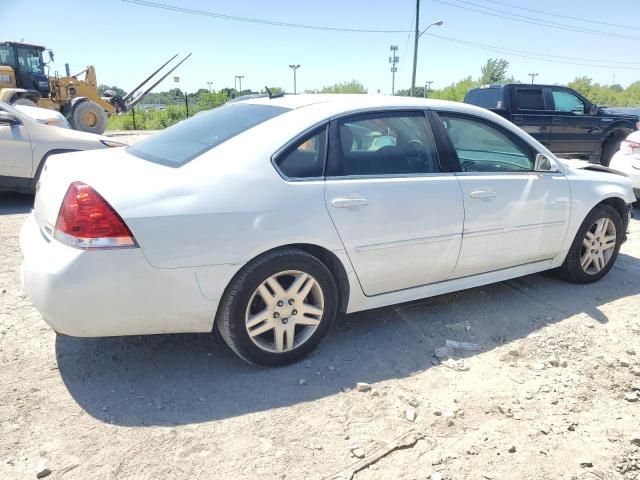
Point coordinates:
[[548, 395]]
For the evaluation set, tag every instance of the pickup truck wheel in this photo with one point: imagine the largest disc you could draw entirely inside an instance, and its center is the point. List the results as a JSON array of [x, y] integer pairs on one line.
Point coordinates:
[[610, 146], [595, 247]]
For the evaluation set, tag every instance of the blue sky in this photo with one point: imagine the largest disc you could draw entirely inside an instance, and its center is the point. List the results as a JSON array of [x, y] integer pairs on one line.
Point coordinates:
[[127, 41]]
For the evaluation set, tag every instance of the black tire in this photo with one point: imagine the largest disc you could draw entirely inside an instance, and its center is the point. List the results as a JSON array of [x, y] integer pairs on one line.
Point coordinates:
[[609, 148], [88, 116], [572, 269], [231, 321]]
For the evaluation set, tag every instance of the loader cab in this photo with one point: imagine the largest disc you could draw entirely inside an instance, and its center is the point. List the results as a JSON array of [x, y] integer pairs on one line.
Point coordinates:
[[27, 64]]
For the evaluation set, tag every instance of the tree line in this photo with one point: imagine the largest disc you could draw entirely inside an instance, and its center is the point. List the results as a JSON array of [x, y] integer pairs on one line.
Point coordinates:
[[495, 70]]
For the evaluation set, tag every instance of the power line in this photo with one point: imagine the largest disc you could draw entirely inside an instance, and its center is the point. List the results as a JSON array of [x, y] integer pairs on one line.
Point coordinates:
[[223, 16], [543, 56], [532, 20], [521, 53], [540, 57], [553, 14]]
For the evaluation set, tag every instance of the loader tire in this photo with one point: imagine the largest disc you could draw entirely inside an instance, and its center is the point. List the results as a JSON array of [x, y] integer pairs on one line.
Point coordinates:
[[88, 116]]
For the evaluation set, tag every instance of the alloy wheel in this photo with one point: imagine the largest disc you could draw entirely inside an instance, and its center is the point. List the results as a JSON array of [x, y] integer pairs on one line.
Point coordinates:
[[598, 246], [284, 311]]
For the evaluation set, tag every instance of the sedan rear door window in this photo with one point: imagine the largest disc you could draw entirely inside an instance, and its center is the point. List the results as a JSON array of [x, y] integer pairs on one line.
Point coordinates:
[[190, 138]]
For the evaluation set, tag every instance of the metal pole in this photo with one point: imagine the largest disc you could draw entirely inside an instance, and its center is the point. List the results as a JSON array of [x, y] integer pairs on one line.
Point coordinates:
[[393, 60], [427, 88], [295, 86], [186, 103], [415, 47], [133, 112], [533, 76]]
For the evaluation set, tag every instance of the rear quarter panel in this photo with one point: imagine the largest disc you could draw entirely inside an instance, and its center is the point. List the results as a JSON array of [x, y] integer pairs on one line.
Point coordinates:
[[230, 204]]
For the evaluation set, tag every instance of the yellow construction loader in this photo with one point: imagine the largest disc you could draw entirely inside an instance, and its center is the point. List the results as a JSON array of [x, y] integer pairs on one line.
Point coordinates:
[[23, 81]]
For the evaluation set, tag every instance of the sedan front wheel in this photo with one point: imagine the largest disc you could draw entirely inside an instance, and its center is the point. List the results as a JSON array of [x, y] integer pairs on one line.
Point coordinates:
[[595, 247], [278, 307]]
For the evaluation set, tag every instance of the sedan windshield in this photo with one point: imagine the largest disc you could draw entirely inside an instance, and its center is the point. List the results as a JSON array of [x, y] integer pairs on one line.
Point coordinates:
[[190, 138]]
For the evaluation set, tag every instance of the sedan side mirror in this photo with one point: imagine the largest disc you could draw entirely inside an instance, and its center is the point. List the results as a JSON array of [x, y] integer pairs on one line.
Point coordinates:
[[593, 110], [8, 119], [543, 164]]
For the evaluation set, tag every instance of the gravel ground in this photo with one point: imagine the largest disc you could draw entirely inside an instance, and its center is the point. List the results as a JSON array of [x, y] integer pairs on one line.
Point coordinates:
[[548, 395]]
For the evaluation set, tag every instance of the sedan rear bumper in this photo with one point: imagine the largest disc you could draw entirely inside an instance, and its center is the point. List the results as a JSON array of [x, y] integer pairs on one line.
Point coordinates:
[[93, 293]]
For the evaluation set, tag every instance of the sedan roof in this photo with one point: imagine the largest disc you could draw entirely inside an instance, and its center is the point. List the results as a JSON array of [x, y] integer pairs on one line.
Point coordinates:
[[346, 102]]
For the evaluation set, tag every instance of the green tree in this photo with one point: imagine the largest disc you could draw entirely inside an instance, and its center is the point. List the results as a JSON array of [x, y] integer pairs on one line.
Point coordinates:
[[208, 100], [353, 86], [494, 71], [274, 90], [102, 88]]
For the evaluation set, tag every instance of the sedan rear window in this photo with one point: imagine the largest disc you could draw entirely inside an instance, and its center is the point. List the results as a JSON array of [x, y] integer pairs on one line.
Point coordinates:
[[190, 138]]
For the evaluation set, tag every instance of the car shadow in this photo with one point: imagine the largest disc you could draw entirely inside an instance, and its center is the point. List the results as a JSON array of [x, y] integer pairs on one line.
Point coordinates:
[[15, 203], [183, 379]]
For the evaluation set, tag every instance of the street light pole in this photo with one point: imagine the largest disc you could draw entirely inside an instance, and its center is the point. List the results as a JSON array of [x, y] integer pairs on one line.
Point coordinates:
[[239, 77], [418, 34], [427, 88], [294, 68], [209, 84], [533, 76]]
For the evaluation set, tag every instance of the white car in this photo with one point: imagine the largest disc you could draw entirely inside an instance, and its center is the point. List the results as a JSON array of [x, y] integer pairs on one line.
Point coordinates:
[[44, 115], [26, 143], [265, 218], [627, 160]]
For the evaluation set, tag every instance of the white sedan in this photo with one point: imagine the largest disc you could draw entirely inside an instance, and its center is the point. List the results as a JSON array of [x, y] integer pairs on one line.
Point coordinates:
[[627, 160], [266, 217], [29, 136]]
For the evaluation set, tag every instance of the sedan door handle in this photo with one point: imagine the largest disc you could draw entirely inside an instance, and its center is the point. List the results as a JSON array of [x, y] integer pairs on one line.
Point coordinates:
[[347, 202], [483, 194]]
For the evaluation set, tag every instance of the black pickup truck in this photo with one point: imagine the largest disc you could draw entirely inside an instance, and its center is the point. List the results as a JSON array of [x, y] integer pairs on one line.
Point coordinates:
[[558, 117]]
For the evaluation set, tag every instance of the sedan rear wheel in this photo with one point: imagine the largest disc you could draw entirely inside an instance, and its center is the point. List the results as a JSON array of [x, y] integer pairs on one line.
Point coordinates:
[[595, 247], [284, 311], [278, 307]]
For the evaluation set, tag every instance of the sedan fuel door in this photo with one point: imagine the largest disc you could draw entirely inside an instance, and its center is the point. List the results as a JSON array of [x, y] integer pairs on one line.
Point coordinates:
[[514, 215], [396, 206]]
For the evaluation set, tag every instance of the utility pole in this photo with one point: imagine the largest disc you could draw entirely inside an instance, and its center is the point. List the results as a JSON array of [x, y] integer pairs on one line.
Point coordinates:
[[209, 84], [533, 76], [294, 68], [418, 34], [415, 48], [427, 88], [393, 60]]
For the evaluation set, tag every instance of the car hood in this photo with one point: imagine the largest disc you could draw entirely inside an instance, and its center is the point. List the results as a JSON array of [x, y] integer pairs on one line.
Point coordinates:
[[577, 164]]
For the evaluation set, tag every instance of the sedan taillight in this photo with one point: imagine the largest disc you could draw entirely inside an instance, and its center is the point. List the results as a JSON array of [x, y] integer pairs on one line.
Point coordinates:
[[630, 148], [86, 220]]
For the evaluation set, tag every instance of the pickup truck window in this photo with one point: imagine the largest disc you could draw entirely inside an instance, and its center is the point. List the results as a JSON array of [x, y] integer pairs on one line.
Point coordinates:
[[482, 147], [567, 102], [485, 97], [530, 99]]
